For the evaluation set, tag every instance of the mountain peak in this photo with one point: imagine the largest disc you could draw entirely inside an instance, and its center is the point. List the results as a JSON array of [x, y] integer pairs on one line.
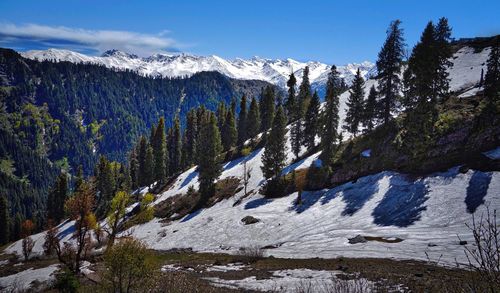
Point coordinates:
[[118, 53]]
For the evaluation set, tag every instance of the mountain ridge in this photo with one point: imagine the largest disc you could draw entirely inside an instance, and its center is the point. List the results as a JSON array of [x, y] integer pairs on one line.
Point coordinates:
[[275, 71]]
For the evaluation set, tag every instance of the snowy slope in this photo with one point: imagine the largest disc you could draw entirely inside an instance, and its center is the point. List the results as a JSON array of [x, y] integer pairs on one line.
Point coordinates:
[[274, 71], [429, 210]]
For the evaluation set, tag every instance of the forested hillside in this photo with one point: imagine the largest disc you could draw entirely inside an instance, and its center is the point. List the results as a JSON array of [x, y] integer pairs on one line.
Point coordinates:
[[62, 115]]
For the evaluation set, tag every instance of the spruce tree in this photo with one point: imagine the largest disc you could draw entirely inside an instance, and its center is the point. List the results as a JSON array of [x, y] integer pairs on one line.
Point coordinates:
[[268, 101], [209, 164], [189, 149], [330, 119], [134, 168], [175, 144], [354, 111], [143, 172], [304, 95], [4, 221], [242, 121], [253, 120], [274, 156], [221, 115], [444, 53], [159, 151], [57, 197], [105, 185], [311, 122], [229, 132], [149, 166], [369, 112], [291, 102], [492, 77], [79, 177], [388, 64]]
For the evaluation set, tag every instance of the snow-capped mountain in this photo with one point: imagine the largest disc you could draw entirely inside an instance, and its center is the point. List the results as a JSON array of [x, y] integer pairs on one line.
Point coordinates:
[[275, 71]]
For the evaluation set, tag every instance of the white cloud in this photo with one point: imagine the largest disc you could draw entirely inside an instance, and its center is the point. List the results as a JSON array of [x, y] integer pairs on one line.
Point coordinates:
[[98, 40]]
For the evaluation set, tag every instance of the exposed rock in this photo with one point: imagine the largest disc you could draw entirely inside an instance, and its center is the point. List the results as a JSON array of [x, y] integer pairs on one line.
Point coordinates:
[[248, 220], [431, 244], [357, 239], [462, 242]]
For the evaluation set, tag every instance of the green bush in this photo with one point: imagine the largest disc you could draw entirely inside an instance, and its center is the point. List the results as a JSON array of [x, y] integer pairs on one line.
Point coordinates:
[[67, 282]]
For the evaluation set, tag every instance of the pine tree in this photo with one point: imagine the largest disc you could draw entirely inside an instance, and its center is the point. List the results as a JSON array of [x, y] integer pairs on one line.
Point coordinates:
[[79, 177], [221, 115], [274, 157], [291, 102], [209, 164], [311, 122], [4, 221], [134, 168], [149, 166], [421, 76], [229, 132], [143, 172], [330, 123], [304, 96], [242, 121], [444, 53], [369, 112], [57, 197], [175, 144], [267, 102], [354, 111], [189, 149], [492, 77], [389, 63], [159, 151], [253, 121], [105, 185]]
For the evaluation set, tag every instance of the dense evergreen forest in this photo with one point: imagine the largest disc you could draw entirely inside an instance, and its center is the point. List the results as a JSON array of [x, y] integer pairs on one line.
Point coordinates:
[[59, 116]]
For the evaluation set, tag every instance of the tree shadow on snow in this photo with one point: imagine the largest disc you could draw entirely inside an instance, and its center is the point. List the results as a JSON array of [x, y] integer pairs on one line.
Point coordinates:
[[190, 177], [235, 162], [308, 199], [253, 204], [476, 190], [69, 230], [292, 167], [402, 203], [191, 215], [356, 195]]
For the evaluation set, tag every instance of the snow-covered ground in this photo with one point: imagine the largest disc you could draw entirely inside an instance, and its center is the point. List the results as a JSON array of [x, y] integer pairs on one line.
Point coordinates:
[[296, 280], [22, 281]]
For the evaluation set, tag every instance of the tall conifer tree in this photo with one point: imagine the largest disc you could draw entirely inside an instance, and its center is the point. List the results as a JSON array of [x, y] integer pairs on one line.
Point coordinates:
[[389, 63], [330, 123], [354, 111], [304, 96], [253, 120], [242, 121], [311, 122], [369, 112], [492, 78], [291, 101], [274, 157], [159, 151], [4, 221], [209, 164], [229, 132]]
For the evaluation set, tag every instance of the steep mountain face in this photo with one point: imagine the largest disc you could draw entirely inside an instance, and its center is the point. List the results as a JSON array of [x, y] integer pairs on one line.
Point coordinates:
[[273, 71]]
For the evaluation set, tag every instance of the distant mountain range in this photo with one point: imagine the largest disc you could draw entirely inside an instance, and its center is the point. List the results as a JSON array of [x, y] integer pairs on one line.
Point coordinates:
[[275, 71]]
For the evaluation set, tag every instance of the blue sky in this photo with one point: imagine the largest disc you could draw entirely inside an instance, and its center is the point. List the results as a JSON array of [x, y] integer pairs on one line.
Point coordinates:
[[328, 31]]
